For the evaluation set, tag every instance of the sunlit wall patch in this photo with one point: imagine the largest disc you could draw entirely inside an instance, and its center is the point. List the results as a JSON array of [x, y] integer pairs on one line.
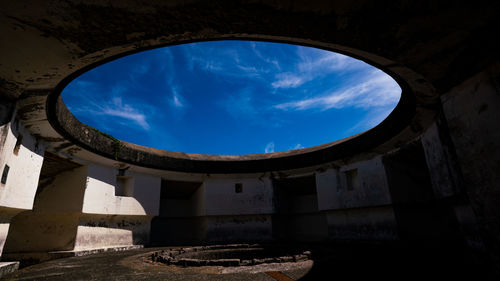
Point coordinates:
[[232, 97]]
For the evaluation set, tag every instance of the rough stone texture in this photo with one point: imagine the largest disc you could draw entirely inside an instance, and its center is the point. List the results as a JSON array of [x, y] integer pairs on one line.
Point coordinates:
[[233, 255], [8, 267]]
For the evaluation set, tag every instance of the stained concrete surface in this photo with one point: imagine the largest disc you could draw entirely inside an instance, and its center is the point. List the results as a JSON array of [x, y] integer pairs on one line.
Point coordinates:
[[346, 261], [120, 266], [8, 267], [446, 53]]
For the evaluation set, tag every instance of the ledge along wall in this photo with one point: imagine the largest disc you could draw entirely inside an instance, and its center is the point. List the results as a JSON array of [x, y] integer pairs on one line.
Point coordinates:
[[428, 177]]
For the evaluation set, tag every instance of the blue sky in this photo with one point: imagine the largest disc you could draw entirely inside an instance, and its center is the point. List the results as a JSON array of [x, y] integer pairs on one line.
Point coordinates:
[[232, 97]]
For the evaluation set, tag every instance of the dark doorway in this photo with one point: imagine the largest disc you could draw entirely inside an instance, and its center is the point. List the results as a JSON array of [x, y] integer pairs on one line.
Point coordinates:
[[420, 217], [179, 220]]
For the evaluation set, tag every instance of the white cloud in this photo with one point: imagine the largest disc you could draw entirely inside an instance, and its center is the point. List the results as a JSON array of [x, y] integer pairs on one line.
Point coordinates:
[[372, 119], [378, 90], [240, 62], [268, 60], [288, 80], [314, 63], [269, 147], [118, 109], [177, 102], [313, 60], [114, 108], [176, 99], [297, 146]]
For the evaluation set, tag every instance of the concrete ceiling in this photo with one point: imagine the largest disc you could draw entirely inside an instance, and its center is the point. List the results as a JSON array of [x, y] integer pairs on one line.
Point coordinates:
[[44, 41], [425, 44]]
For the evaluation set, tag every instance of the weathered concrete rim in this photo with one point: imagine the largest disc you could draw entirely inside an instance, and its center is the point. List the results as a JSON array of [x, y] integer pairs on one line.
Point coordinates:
[[416, 93], [142, 263], [197, 256]]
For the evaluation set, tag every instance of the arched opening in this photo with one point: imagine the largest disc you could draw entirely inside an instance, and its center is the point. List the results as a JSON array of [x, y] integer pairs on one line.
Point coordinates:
[[103, 144], [232, 97]]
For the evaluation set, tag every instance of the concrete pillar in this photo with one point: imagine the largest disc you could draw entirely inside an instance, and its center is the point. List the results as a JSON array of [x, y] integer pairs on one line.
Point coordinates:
[[471, 111], [448, 184], [52, 224]]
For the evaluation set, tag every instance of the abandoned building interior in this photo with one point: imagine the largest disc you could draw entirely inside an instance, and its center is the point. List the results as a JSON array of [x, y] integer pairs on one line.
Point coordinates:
[[426, 180]]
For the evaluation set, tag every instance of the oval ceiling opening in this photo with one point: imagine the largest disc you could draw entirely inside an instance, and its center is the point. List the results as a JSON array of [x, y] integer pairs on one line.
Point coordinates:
[[232, 97]]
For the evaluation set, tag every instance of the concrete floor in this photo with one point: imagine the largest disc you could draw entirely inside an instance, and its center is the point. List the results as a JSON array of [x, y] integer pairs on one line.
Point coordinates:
[[129, 265], [339, 262]]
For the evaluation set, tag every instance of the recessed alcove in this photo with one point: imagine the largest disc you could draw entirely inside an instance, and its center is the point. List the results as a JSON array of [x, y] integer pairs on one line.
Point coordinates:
[[297, 217], [124, 186]]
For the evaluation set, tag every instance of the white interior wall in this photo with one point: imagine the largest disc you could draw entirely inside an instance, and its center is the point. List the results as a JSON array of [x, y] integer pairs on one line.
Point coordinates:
[[256, 197], [18, 192], [64, 194], [372, 189], [100, 194], [147, 192], [22, 181]]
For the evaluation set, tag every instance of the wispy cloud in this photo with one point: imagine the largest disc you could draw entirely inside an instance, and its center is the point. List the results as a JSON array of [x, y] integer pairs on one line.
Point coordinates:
[[272, 61], [269, 147], [268, 88], [118, 109], [313, 64], [314, 60], [94, 107], [247, 105], [229, 62], [173, 97], [206, 64], [379, 89], [176, 99], [288, 80], [375, 117]]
